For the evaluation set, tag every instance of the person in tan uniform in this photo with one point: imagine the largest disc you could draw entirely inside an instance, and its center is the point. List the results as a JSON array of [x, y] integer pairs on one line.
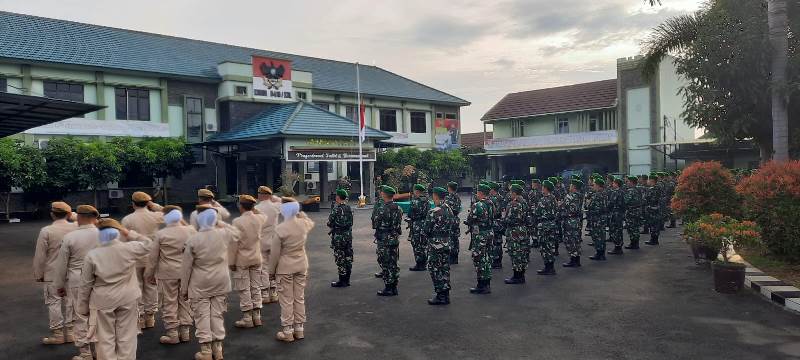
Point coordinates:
[[288, 265], [67, 272], [164, 265], [205, 280], [244, 259], [47, 246], [146, 220], [269, 206], [110, 292], [206, 197]]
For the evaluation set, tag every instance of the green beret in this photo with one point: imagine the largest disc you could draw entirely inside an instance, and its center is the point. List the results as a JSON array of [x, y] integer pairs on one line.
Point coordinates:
[[560, 178], [419, 187], [516, 188], [388, 190], [578, 184], [483, 188], [653, 177], [493, 185], [536, 181], [548, 185], [453, 185], [600, 181], [618, 181], [594, 174], [440, 191], [552, 179], [633, 179]]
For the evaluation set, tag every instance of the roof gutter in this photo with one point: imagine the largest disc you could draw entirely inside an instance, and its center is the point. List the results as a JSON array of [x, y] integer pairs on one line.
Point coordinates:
[[546, 114]]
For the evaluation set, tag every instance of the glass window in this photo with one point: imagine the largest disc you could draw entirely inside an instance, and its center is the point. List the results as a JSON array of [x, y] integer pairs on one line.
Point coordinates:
[[350, 112], [240, 90], [439, 115], [3, 84], [324, 105], [388, 119], [132, 104], [593, 122], [517, 128], [418, 123], [450, 116], [313, 167], [63, 90], [302, 95], [193, 107], [562, 126]]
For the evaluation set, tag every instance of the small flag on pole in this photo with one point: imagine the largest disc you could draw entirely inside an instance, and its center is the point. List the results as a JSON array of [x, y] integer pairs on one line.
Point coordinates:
[[362, 127]]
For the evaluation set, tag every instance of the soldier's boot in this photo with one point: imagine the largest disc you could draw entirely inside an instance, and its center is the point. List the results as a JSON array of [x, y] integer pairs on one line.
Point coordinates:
[[204, 353], [285, 335], [617, 250], [645, 230], [256, 317], [574, 261], [141, 323], [420, 266], [216, 349], [299, 332], [185, 333], [246, 321], [653, 239], [556, 253], [476, 289], [265, 297], [671, 223], [549, 269], [487, 287], [440, 299], [342, 282], [69, 335], [273, 294], [56, 337], [388, 290], [518, 278], [170, 337], [497, 263], [379, 274], [149, 320], [85, 353], [599, 255]]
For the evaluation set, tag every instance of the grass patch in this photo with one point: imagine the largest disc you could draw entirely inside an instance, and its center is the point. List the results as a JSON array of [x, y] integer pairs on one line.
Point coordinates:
[[777, 268]]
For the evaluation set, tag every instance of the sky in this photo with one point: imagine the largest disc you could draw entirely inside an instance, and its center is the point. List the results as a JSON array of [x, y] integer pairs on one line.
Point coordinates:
[[476, 50]]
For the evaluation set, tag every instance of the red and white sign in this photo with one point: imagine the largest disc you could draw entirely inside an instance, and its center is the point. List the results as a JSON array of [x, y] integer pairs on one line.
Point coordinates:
[[272, 79]]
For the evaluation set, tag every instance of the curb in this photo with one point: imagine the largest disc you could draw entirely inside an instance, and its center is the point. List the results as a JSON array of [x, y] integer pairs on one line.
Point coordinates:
[[773, 289]]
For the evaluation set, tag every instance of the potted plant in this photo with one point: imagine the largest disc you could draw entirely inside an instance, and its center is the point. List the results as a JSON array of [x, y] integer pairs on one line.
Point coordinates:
[[725, 234]]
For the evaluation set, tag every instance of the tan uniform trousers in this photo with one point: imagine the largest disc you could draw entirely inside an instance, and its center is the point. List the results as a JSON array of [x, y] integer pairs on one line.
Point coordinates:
[[291, 296], [208, 318], [148, 303], [265, 283], [248, 283], [116, 331], [174, 311], [59, 309], [80, 323]]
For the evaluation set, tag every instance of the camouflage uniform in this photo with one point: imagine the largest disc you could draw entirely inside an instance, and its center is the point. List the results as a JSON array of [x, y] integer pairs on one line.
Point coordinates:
[[664, 200], [533, 199], [497, 240], [340, 221], [633, 213], [591, 221], [616, 214], [436, 230], [671, 184], [419, 209], [454, 203], [517, 241], [595, 208], [572, 215], [387, 222], [653, 209], [481, 227], [546, 214]]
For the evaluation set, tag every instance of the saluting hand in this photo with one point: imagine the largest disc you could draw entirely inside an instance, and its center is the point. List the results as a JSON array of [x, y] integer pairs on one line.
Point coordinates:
[[61, 292]]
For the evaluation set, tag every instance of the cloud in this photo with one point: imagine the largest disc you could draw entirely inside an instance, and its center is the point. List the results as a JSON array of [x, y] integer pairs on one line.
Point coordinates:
[[504, 63]]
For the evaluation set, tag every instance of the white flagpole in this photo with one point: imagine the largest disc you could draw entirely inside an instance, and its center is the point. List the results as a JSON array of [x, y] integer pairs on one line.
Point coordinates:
[[361, 197]]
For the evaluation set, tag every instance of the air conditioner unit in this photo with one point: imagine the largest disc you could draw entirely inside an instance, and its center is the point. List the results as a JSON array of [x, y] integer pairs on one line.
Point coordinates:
[[42, 143], [310, 185], [116, 194], [211, 125]]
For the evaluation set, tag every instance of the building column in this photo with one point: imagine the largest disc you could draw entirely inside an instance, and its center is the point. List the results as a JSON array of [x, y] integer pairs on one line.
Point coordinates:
[[100, 86], [323, 182], [165, 101], [370, 179]]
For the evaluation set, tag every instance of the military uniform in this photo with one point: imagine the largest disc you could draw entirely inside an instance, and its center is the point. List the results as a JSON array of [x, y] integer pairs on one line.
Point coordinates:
[[654, 214], [270, 210], [454, 202], [387, 222], [572, 215], [546, 213], [245, 258], [417, 213], [633, 213], [516, 221], [437, 233], [145, 222], [499, 228], [481, 227], [616, 215], [340, 222], [595, 209], [533, 199]]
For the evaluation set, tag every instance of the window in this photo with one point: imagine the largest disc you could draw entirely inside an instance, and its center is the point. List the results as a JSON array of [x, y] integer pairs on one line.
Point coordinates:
[[350, 112], [450, 116], [302, 95], [418, 122], [593, 122], [517, 128], [132, 104], [240, 90], [313, 167], [193, 110], [324, 105], [439, 115], [63, 90], [3, 84], [388, 119], [562, 126]]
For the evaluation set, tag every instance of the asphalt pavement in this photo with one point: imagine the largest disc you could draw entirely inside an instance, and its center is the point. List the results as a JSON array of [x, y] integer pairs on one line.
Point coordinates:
[[654, 303]]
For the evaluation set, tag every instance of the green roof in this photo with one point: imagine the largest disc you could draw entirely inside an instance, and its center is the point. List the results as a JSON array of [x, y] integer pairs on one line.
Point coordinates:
[[33, 38], [294, 119]]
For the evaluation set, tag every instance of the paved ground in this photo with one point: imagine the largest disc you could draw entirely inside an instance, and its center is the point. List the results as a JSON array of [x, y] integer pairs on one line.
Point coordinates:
[[650, 304]]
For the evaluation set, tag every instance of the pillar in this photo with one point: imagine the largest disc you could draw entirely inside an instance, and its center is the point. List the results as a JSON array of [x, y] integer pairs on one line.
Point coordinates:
[[370, 179], [323, 181]]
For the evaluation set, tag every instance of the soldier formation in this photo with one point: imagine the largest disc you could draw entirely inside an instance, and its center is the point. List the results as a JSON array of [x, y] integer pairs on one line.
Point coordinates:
[[103, 279]]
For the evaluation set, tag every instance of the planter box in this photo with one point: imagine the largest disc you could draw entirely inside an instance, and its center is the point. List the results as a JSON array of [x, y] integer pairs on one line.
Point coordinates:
[[728, 277]]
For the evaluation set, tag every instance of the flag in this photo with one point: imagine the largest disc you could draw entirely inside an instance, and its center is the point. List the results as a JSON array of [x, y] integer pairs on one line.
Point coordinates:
[[362, 127]]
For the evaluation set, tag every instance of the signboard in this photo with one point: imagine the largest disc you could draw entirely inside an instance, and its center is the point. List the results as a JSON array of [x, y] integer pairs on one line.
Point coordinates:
[[446, 131], [272, 79], [557, 140], [79, 126], [328, 155]]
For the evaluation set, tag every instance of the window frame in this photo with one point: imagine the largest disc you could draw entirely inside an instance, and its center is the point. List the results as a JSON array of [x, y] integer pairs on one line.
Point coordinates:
[[424, 122], [381, 119], [518, 128], [127, 108], [186, 113], [236, 91], [559, 121], [58, 93], [302, 96]]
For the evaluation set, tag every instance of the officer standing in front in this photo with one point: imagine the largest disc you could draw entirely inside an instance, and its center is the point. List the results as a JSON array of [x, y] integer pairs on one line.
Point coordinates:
[[437, 232], [387, 222], [417, 213], [340, 221]]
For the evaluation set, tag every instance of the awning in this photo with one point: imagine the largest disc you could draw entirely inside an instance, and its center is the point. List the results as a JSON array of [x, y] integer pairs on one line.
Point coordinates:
[[600, 147], [22, 112]]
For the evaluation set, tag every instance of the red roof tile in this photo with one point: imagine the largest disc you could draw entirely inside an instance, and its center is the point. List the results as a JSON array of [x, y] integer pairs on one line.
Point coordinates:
[[474, 140], [592, 95]]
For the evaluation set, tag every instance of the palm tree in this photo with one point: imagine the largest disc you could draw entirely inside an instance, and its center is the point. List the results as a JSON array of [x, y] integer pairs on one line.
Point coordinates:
[[777, 19], [673, 35]]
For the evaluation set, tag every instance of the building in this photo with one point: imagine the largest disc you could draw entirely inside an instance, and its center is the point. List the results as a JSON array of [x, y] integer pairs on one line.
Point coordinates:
[[252, 114], [613, 125]]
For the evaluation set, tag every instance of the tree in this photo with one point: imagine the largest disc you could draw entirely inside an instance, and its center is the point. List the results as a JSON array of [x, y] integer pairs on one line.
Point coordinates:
[[21, 166], [64, 162], [166, 157], [99, 166]]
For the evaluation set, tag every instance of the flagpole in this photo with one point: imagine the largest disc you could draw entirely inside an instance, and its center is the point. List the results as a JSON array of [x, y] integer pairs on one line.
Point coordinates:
[[361, 197]]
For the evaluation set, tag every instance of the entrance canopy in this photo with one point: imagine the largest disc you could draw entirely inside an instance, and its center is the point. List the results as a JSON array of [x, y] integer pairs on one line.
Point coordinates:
[[22, 112]]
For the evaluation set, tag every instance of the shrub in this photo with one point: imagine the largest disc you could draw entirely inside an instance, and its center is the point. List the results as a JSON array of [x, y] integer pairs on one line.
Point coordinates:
[[704, 188], [722, 233], [772, 199]]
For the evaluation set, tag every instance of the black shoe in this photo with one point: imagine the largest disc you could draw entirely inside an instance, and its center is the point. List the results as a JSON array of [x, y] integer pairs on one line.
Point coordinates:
[[482, 288], [379, 274], [556, 253], [548, 269], [645, 231], [440, 299], [653, 240], [600, 256], [574, 261], [418, 267], [389, 290], [497, 264], [343, 282], [633, 246], [671, 224], [617, 251], [518, 278], [474, 290]]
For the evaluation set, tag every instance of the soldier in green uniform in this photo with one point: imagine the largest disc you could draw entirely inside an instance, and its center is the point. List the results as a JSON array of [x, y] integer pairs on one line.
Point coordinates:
[[672, 183], [546, 214], [417, 213], [616, 209], [387, 222], [595, 208], [454, 202], [480, 222], [438, 225], [572, 215], [533, 199], [633, 211], [340, 221], [587, 198], [653, 208], [517, 242], [498, 208]]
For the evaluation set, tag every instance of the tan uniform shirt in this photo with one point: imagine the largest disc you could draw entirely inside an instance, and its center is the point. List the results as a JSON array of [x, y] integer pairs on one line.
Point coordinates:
[[74, 247], [271, 212], [145, 222], [166, 253], [288, 250], [109, 277], [47, 246], [247, 251], [222, 214], [204, 269]]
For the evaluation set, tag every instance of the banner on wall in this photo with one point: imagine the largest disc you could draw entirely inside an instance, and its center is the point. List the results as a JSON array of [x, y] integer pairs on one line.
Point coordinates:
[[272, 79], [446, 131]]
